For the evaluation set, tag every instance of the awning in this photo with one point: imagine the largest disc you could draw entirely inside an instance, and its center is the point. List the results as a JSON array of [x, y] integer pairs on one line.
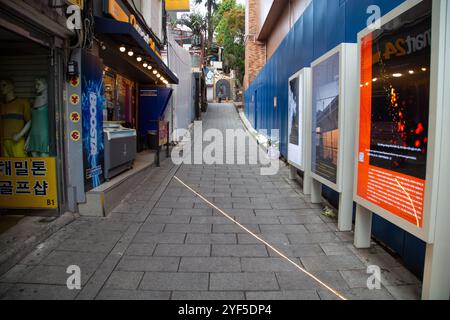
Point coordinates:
[[126, 34], [153, 102]]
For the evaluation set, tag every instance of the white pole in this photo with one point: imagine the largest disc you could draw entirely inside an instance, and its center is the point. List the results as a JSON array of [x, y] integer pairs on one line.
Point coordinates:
[[363, 227], [316, 191]]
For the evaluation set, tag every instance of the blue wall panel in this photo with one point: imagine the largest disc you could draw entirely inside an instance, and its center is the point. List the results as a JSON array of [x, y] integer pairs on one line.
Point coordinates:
[[413, 254], [324, 25], [308, 37], [356, 14], [335, 23], [320, 25]]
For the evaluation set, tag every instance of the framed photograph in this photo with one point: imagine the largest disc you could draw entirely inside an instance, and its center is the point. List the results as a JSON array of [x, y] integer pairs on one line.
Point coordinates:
[[396, 130], [332, 105], [298, 92], [325, 111]]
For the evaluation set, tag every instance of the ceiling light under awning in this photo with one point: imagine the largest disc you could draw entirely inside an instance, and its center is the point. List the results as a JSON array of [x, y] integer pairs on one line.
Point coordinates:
[[125, 37]]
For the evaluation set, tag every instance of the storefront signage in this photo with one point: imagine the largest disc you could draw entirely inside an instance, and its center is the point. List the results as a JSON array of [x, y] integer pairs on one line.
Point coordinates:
[[118, 11], [74, 160], [75, 117], [404, 46], [178, 5], [394, 115], [79, 3], [75, 136], [74, 99], [92, 115], [115, 10], [28, 183], [74, 81]]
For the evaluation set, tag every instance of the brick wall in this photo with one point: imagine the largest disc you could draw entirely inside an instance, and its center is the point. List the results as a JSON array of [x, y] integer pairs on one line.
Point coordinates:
[[255, 51], [255, 58]]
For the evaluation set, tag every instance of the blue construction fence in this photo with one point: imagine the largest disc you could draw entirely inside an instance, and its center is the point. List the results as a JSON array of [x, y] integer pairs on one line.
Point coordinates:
[[324, 25]]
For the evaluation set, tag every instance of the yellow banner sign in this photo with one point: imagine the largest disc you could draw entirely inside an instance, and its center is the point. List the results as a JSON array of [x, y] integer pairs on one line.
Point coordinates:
[[79, 3], [117, 12], [28, 183], [178, 5]]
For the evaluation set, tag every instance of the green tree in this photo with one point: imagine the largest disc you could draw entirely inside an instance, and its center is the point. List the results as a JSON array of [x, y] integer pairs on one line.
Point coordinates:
[[211, 6], [224, 6], [194, 21], [230, 32]]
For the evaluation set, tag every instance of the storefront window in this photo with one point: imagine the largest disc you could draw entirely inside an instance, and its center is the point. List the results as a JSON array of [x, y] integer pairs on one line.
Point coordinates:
[[27, 117], [120, 106]]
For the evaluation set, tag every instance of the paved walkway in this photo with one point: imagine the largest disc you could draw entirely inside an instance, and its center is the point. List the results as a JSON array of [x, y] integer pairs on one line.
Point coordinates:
[[164, 242]]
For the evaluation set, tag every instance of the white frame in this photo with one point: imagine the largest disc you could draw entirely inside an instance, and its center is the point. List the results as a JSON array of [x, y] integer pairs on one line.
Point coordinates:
[[306, 115], [436, 283], [347, 126], [435, 127], [347, 57]]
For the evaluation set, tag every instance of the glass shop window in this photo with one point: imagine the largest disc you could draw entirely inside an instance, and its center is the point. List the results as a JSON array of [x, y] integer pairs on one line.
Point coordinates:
[[27, 125], [120, 99]]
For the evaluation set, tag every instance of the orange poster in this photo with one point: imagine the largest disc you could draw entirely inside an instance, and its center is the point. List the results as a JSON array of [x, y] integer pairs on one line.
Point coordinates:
[[394, 114]]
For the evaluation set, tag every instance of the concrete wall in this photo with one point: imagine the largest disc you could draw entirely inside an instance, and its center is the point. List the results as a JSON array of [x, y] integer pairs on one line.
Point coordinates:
[[152, 12], [181, 110]]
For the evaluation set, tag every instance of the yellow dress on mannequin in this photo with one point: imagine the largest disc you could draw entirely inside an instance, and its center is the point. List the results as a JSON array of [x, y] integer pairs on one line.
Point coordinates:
[[14, 115]]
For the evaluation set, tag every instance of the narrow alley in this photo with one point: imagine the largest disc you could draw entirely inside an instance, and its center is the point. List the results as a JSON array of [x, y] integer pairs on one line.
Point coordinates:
[[165, 242]]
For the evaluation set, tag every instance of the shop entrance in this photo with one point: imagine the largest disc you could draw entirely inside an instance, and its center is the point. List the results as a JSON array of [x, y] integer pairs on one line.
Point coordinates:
[[120, 99], [30, 157]]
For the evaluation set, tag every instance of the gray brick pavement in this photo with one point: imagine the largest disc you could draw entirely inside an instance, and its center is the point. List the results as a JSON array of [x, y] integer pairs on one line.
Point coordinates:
[[163, 242]]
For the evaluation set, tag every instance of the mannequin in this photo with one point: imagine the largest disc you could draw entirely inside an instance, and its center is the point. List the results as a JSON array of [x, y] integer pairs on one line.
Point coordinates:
[[38, 141], [15, 116]]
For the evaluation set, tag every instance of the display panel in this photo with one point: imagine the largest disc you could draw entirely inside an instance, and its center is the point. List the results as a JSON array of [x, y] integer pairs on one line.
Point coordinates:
[[325, 118], [295, 121], [92, 110], [394, 114]]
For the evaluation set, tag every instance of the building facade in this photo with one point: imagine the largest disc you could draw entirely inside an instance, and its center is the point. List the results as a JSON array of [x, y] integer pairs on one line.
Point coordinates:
[[267, 24], [35, 49], [74, 81]]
